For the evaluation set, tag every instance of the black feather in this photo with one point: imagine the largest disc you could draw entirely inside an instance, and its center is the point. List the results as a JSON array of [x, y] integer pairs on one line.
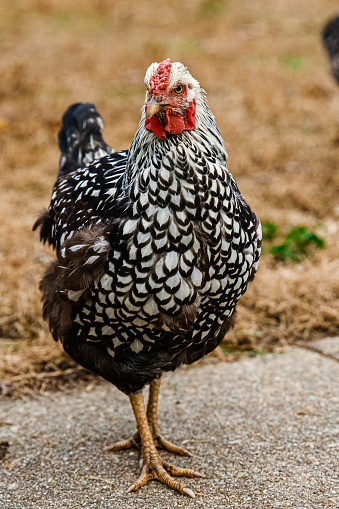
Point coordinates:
[[80, 139], [330, 36]]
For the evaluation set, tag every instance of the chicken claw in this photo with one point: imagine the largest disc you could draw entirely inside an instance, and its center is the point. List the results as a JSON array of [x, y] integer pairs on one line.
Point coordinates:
[[153, 466]]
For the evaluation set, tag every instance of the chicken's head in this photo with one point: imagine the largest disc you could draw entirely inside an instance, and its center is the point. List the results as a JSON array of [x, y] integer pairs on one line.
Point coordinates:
[[170, 99]]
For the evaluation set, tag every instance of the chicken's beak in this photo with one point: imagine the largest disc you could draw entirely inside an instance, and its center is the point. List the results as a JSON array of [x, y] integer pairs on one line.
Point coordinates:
[[152, 107]]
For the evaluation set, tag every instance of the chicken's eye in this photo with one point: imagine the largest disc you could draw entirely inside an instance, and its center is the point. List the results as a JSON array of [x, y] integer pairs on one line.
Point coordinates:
[[179, 90]]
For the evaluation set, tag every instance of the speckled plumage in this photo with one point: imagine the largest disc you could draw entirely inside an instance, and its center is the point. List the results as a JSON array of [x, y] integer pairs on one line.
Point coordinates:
[[155, 247]]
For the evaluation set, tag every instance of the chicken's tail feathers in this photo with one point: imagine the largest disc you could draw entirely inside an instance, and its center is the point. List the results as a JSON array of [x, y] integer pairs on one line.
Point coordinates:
[[80, 139], [330, 35]]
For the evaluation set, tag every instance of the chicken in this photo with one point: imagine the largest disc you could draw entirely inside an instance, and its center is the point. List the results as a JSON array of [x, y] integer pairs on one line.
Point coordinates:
[[155, 246], [331, 41]]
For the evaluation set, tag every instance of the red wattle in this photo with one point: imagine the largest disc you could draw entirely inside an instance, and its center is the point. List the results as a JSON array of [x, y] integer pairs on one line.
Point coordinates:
[[152, 124], [174, 123], [190, 122]]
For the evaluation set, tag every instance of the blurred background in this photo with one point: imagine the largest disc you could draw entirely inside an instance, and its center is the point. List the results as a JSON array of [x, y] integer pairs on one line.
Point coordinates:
[[268, 83]]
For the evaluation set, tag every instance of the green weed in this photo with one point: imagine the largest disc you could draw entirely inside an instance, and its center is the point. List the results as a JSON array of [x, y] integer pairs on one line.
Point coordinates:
[[295, 63], [212, 7], [269, 230], [297, 244], [190, 46]]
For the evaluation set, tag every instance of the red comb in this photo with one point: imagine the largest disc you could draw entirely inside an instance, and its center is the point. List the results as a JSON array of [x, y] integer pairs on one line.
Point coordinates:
[[160, 80]]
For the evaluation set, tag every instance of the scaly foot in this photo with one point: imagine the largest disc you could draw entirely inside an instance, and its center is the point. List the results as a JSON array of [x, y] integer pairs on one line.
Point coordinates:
[[147, 439], [129, 443], [154, 467]]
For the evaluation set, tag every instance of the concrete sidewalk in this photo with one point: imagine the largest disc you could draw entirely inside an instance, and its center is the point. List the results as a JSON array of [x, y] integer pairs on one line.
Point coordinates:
[[264, 430]]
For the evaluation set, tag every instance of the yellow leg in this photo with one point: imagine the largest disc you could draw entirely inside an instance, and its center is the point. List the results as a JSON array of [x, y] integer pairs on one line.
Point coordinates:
[[152, 417], [153, 467]]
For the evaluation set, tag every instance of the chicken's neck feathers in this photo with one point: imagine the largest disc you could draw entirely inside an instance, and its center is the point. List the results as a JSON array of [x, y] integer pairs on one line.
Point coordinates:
[[145, 146]]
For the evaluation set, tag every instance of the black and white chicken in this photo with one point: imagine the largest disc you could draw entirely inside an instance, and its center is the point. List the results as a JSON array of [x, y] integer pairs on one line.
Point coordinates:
[[155, 246]]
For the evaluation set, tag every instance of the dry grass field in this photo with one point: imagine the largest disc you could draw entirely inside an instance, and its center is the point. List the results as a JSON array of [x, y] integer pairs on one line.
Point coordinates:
[[277, 107]]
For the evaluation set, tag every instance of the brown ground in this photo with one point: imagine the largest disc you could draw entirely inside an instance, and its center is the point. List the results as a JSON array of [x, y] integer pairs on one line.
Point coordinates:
[[276, 105]]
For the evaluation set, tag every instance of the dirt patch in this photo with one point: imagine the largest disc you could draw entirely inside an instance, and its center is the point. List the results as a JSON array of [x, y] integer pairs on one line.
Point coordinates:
[[276, 105]]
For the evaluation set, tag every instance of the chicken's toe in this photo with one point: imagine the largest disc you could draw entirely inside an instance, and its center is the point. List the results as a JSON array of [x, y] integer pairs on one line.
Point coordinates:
[[129, 443], [159, 469], [162, 443], [179, 471]]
